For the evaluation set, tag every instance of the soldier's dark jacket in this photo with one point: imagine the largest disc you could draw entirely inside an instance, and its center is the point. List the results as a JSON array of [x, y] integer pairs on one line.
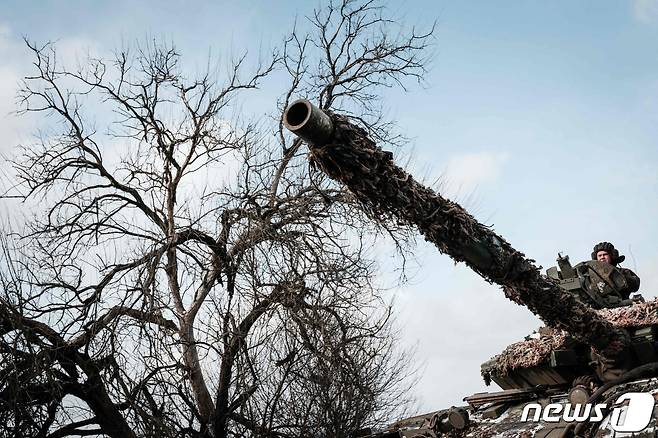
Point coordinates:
[[632, 280]]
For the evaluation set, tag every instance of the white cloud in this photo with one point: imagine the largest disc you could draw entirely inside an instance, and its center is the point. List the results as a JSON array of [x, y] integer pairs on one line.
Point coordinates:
[[645, 11], [10, 125], [12, 59], [458, 324], [72, 52], [5, 33], [465, 173]]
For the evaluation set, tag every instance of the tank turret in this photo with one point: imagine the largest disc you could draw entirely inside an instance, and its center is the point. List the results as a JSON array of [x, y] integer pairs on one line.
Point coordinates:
[[597, 341]]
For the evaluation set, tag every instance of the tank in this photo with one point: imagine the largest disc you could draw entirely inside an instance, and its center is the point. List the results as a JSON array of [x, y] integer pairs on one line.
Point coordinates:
[[592, 371]]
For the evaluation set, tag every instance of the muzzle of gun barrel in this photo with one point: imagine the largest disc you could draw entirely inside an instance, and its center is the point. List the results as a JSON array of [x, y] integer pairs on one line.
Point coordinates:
[[308, 122]]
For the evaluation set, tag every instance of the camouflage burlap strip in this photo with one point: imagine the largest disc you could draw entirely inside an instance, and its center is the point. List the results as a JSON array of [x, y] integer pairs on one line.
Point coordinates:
[[388, 193]]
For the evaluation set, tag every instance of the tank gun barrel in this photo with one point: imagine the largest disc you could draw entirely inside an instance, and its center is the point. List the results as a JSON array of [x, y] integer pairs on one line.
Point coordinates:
[[346, 154], [308, 122]]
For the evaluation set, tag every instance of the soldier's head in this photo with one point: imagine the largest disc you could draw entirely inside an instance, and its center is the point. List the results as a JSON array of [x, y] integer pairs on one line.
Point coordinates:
[[606, 252]]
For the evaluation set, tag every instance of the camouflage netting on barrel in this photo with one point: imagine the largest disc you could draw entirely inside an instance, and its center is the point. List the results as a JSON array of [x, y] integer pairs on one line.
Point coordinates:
[[388, 193], [537, 349], [638, 315]]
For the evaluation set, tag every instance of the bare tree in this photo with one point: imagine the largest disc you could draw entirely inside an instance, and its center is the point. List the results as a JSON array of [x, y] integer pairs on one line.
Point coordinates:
[[148, 297]]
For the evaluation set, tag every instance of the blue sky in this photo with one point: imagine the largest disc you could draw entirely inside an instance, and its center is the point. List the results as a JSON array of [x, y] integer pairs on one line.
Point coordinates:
[[540, 116]]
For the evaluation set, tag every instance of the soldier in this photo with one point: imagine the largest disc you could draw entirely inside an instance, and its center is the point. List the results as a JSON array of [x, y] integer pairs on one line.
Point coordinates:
[[606, 252]]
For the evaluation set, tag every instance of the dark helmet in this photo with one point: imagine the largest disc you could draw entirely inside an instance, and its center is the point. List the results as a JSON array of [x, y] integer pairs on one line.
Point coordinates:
[[610, 249]]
